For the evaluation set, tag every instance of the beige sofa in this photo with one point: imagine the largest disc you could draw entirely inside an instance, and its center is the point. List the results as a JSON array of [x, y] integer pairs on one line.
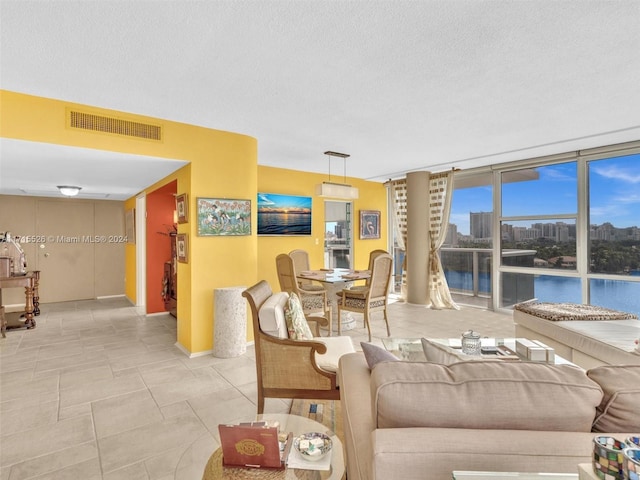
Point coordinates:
[[417, 420], [584, 334]]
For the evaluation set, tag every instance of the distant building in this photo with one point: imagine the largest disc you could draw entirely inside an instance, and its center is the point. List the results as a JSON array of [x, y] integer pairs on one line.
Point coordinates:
[[452, 235], [481, 225]]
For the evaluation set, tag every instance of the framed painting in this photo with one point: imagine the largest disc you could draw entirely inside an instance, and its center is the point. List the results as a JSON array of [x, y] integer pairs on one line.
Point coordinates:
[[223, 217], [182, 247], [182, 208], [369, 224], [284, 214]]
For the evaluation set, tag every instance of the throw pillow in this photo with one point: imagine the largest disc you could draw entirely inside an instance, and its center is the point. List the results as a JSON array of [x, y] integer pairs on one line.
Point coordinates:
[[374, 354], [296, 321], [442, 354]]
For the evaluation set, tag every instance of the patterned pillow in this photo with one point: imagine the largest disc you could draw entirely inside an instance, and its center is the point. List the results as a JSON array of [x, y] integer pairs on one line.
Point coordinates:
[[296, 321]]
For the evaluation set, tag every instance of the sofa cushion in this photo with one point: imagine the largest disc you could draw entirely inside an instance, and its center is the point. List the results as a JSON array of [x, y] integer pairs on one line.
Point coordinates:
[[484, 394], [296, 321], [619, 410], [271, 315]]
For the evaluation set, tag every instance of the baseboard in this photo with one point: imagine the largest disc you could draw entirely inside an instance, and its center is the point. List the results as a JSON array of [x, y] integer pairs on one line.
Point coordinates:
[[180, 347], [103, 297], [18, 307], [157, 314]]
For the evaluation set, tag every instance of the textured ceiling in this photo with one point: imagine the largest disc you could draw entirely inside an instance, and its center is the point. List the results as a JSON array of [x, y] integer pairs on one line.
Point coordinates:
[[399, 85]]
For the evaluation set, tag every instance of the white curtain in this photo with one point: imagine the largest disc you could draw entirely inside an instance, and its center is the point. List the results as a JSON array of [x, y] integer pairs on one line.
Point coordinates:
[[398, 194], [440, 193]]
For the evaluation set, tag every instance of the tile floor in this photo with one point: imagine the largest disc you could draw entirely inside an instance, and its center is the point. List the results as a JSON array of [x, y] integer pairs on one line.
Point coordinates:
[[99, 391]]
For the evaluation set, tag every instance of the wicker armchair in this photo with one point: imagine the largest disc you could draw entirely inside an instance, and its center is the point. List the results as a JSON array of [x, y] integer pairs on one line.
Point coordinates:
[[372, 299], [313, 301], [289, 368]]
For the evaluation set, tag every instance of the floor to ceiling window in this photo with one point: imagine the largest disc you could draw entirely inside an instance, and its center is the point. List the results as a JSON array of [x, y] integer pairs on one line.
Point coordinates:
[[565, 229], [614, 232], [538, 240], [467, 251], [573, 231]]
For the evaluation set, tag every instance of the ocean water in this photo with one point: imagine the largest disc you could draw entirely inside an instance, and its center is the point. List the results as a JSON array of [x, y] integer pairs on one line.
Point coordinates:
[[615, 294], [284, 224]]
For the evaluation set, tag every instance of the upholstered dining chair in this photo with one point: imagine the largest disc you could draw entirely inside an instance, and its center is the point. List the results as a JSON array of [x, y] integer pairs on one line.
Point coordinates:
[[373, 299], [289, 368], [372, 255], [301, 263], [313, 301]]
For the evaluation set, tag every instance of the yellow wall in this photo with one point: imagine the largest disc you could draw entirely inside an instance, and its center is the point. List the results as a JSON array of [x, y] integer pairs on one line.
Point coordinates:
[[222, 165], [130, 283], [372, 196]]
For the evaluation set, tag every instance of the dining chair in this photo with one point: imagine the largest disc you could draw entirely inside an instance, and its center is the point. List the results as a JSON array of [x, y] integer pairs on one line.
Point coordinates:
[[313, 301], [372, 255], [301, 263], [373, 299]]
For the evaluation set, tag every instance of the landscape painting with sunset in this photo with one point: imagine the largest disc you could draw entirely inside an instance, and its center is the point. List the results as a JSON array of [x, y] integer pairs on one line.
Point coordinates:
[[283, 214]]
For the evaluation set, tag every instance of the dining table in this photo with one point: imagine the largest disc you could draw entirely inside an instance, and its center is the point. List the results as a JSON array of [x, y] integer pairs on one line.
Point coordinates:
[[334, 281]]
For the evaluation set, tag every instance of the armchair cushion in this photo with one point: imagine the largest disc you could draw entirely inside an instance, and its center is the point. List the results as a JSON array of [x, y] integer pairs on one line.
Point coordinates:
[[336, 347], [271, 315], [296, 321]]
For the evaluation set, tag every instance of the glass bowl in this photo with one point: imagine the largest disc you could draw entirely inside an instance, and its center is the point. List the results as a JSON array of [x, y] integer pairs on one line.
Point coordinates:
[[313, 446]]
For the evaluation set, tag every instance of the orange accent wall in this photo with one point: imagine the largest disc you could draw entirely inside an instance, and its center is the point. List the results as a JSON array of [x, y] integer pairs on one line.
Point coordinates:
[[160, 207]]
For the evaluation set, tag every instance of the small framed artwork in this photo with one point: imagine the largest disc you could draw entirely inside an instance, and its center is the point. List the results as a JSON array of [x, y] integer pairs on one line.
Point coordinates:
[[223, 216], [182, 208], [369, 224], [182, 247]]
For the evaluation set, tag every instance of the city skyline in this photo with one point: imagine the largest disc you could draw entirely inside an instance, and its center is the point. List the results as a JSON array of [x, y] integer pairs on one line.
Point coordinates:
[[614, 192]]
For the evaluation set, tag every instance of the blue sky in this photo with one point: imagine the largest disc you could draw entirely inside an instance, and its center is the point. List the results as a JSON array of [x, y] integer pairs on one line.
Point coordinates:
[[614, 189], [283, 201]]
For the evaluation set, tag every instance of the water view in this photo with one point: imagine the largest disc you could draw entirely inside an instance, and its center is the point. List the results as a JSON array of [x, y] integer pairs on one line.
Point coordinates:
[[615, 294], [284, 223]]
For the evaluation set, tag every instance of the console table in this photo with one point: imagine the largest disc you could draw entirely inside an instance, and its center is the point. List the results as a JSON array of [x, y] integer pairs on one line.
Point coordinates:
[[30, 282]]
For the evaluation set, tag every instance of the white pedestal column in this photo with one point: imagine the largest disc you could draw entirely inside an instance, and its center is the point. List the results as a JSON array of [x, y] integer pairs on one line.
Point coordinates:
[[230, 329]]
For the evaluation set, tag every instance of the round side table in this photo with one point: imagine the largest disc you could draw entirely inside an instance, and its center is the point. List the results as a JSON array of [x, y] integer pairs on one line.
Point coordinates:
[[214, 470]]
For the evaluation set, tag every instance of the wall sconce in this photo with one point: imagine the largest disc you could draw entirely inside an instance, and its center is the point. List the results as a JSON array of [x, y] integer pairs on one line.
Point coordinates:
[[69, 190], [337, 190]]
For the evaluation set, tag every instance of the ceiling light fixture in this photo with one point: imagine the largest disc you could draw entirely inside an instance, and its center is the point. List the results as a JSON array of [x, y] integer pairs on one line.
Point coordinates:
[[69, 190], [337, 190]]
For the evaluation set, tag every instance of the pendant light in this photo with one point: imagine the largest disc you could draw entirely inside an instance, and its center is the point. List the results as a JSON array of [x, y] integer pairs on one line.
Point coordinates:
[[341, 191]]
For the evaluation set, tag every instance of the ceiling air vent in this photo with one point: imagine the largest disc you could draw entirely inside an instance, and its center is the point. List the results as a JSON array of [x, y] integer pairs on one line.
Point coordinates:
[[118, 126]]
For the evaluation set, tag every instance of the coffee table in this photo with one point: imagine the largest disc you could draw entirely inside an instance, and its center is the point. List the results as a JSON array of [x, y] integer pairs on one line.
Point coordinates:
[[198, 462], [462, 475], [410, 348]]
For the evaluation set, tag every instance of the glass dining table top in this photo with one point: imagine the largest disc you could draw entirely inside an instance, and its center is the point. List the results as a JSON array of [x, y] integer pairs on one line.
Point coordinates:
[[334, 275]]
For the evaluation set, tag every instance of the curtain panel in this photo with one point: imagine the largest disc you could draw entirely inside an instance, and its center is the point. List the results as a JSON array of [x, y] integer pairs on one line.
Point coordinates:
[[398, 194], [440, 193]]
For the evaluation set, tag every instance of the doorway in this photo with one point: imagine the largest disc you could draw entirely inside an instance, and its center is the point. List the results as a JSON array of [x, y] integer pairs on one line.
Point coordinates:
[[338, 236]]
